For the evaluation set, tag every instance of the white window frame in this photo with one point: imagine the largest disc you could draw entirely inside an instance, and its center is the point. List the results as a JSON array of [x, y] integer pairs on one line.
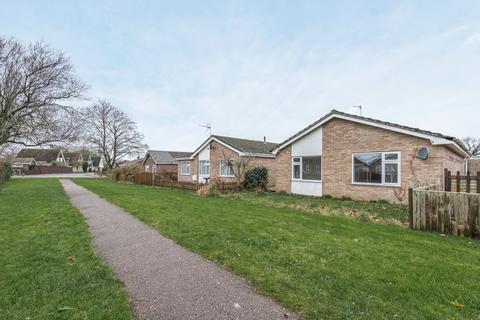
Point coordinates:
[[229, 168], [147, 168], [183, 173], [398, 161], [200, 167], [301, 168]]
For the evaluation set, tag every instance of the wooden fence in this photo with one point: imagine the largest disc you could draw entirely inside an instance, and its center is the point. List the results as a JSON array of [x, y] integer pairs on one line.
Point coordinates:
[[455, 213], [462, 183], [49, 170], [148, 179]]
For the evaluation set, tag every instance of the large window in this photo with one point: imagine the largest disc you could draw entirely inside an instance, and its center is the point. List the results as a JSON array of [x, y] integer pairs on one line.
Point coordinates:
[[204, 167], [225, 169], [185, 168], [307, 168], [381, 168]]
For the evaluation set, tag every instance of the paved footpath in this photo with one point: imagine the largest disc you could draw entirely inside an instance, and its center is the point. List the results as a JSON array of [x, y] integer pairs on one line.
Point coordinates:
[[163, 280]]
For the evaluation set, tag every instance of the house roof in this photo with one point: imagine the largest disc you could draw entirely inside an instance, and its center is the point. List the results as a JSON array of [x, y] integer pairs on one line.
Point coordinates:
[[442, 139], [166, 157], [22, 161], [241, 146], [47, 155]]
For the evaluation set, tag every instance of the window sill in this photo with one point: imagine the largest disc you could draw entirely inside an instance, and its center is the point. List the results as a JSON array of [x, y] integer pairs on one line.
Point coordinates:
[[376, 184], [308, 181], [226, 176], [185, 174]]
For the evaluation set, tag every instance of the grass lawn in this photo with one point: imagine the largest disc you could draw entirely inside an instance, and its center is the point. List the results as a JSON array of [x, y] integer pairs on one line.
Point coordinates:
[[48, 269], [326, 267], [382, 211]]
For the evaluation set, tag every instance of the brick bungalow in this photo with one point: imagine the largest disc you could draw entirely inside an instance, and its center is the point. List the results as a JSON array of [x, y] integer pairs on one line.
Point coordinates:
[[163, 163], [348, 155], [209, 161]]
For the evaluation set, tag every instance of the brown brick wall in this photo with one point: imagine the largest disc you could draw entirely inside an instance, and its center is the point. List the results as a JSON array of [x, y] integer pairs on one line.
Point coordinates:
[[283, 171], [473, 166], [341, 138], [149, 161]]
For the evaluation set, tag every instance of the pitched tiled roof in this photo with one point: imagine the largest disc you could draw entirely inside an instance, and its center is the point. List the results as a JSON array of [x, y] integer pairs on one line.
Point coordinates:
[[246, 145], [167, 157], [47, 155], [385, 123], [21, 161]]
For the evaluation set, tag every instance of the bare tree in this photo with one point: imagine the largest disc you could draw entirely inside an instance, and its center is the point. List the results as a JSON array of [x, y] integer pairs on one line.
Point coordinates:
[[238, 166], [111, 132], [37, 88], [472, 144]]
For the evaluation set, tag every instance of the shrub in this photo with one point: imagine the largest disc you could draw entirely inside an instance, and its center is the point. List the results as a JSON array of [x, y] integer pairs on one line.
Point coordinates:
[[84, 166], [8, 169], [123, 172], [256, 178]]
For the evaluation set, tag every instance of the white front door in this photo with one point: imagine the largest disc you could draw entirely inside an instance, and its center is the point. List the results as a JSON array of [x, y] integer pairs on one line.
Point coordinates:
[[204, 165]]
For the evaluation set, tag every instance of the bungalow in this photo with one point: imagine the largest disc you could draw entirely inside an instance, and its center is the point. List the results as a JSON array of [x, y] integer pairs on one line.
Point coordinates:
[[209, 162], [163, 163], [367, 159], [44, 156], [20, 165]]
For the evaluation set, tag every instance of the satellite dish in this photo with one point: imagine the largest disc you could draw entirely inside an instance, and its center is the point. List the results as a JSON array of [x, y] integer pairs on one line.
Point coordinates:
[[422, 153]]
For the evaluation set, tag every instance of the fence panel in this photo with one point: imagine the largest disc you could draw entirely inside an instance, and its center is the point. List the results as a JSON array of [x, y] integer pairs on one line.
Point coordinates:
[[445, 212], [469, 183], [49, 170]]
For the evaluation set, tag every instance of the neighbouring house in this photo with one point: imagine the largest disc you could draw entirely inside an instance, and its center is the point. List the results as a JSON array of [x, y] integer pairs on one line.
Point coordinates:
[[345, 155], [44, 157], [135, 163], [75, 159], [95, 163], [21, 165], [209, 162], [163, 163], [474, 164]]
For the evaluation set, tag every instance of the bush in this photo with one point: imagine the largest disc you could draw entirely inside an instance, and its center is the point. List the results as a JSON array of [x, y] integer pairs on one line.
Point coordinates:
[[84, 166], [6, 171], [256, 178], [124, 172]]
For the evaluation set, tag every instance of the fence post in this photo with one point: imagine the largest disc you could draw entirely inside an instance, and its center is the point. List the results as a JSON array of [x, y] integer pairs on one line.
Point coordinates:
[[458, 181], [478, 182], [448, 180], [468, 181], [410, 207]]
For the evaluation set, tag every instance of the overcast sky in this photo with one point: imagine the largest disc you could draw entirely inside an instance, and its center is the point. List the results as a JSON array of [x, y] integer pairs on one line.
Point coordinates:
[[266, 68]]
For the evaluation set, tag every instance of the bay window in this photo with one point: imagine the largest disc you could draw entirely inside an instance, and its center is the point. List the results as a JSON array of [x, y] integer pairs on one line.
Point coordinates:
[[376, 168], [307, 168]]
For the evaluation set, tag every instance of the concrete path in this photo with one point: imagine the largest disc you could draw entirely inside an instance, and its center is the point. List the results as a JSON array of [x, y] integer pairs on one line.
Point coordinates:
[[163, 280]]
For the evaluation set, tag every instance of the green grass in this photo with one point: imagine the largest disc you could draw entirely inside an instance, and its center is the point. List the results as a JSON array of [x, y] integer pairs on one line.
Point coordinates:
[[39, 231], [380, 211], [330, 267]]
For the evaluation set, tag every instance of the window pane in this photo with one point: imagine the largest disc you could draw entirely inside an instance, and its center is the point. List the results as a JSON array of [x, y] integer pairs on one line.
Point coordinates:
[[204, 167], [225, 169], [296, 159], [391, 156], [312, 168], [367, 168], [391, 173], [296, 171]]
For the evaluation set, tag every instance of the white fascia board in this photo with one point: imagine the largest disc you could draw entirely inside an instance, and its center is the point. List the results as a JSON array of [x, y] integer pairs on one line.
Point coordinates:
[[258, 155], [434, 140], [210, 140]]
